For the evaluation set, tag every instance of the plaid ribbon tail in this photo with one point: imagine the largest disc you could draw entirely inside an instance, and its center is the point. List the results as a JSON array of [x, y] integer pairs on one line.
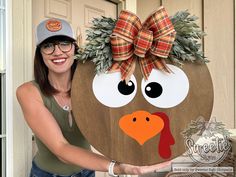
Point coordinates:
[[146, 65], [166, 67], [115, 67], [126, 68], [150, 62], [161, 65], [129, 74]]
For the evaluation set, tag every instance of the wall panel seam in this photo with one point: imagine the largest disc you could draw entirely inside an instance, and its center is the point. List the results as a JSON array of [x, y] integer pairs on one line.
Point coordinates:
[[203, 26], [234, 8]]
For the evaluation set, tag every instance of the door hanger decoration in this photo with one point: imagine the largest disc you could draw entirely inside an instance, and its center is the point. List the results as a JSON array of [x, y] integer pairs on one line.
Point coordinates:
[[150, 82]]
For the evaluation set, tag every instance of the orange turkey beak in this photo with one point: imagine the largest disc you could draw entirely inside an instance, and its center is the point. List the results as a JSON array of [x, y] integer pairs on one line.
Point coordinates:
[[141, 125]]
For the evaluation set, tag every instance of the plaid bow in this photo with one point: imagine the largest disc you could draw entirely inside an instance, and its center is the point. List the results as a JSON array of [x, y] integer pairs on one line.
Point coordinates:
[[151, 42]]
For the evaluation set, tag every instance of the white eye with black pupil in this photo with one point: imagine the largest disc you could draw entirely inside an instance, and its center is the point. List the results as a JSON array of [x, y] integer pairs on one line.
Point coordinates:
[[111, 91], [165, 90]]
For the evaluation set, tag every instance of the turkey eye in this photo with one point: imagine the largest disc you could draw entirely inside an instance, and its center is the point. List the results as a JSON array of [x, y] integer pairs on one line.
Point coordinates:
[[164, 90], [153, 90], [126, 89], [112, 92]]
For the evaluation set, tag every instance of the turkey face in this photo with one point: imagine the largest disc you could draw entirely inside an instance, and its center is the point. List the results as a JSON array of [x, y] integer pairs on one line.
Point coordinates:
[[140, 122]]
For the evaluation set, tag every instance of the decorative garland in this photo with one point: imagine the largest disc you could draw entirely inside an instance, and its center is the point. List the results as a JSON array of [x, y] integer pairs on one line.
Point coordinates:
[[98, 48], [186, 47]]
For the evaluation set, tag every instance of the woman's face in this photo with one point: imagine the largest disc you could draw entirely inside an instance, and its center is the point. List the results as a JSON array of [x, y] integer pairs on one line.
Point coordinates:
[[58, 56]]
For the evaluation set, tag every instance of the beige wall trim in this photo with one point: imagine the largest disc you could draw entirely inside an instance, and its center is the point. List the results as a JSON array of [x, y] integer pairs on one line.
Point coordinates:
[[115, 1], [28, 73], [234, 64], [21, 67], [131, 5], [120, 5], [28, 53]]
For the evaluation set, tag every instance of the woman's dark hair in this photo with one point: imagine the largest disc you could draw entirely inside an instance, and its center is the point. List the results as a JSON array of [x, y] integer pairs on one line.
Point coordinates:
[[41, 70]]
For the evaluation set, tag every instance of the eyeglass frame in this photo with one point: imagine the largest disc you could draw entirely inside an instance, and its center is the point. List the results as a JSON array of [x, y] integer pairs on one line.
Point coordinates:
[[58, 44]]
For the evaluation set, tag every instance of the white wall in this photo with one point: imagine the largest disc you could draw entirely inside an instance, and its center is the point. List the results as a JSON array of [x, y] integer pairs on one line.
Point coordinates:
[[131, 5]]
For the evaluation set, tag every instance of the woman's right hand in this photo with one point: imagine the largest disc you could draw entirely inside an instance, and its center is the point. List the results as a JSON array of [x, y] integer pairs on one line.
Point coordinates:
[[139, 170]]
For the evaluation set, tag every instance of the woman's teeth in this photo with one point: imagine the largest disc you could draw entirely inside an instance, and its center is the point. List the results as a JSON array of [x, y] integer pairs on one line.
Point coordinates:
[[58, 60]]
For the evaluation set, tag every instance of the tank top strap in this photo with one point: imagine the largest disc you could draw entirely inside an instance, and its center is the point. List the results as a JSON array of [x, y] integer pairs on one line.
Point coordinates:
[[47, 100]]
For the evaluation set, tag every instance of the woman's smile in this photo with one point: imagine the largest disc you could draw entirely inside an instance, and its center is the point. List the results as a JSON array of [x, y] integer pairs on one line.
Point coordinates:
[[59, 61]]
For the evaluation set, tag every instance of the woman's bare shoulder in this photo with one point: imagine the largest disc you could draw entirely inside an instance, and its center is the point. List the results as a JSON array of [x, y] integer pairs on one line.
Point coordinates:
[[28, 90]]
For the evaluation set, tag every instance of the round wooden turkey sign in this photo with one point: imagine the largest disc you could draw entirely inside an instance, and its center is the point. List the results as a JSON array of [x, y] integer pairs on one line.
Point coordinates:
[[140, 122]]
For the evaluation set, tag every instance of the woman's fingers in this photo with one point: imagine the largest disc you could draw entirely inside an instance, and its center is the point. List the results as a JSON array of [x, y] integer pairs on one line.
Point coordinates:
[[138, 170], [155, 168]]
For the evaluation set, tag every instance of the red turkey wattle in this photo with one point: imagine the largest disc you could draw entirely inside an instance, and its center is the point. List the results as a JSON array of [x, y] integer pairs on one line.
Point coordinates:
[[166, 138]]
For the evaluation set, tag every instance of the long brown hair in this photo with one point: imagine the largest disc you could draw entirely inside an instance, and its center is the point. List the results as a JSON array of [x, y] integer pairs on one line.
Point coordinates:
[[41, 71]]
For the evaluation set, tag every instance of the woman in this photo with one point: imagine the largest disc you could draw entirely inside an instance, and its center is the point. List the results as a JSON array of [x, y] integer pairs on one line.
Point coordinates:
[[46, 103]]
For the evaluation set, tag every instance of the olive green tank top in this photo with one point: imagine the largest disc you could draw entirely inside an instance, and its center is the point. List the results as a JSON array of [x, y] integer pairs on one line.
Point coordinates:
[[44, 158]]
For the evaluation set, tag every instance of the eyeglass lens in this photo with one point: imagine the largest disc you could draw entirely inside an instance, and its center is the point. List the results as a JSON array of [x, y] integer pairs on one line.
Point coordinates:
[[49, 48]]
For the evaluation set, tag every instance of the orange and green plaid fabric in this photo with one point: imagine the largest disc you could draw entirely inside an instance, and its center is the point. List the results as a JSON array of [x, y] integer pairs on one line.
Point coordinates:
[[131, 38]]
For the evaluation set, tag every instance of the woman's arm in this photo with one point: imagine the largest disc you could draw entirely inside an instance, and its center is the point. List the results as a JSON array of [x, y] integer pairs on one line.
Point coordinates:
[[42, 123]]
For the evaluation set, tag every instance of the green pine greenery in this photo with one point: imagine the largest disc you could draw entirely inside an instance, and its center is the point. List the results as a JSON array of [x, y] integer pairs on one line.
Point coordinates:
[[186, 47], [98, 48]]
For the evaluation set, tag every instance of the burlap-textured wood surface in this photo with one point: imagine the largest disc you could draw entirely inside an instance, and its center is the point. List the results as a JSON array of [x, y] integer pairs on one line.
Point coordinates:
[[99, 123]]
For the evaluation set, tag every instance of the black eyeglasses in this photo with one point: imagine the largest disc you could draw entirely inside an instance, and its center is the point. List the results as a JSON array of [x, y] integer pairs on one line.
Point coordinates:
[[49, 48]]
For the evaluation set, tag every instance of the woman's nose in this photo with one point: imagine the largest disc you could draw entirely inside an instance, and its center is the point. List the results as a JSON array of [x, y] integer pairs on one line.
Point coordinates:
[[57, 51]]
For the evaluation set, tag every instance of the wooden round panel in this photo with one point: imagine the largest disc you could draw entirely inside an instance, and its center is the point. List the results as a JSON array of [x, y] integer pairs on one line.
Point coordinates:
[[100, 124]]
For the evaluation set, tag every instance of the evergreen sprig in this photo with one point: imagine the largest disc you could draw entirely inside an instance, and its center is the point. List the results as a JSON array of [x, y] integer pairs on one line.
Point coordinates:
[[187, 46], [98, 48]]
